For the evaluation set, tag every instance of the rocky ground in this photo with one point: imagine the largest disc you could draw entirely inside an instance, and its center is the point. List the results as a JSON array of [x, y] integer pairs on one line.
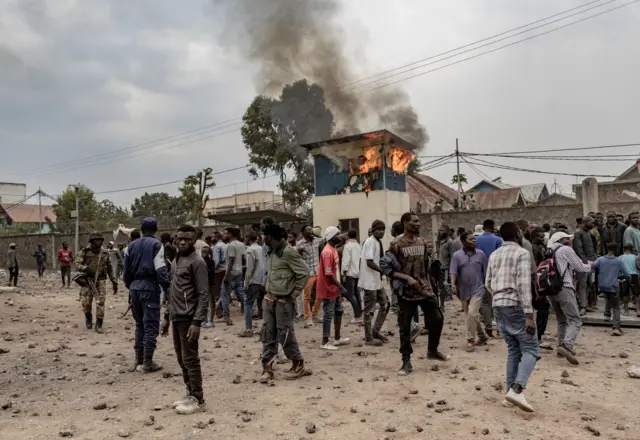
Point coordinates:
[[58, 379]]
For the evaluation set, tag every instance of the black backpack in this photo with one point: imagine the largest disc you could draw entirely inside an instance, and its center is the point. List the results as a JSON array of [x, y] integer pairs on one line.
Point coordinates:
[[548, 278]]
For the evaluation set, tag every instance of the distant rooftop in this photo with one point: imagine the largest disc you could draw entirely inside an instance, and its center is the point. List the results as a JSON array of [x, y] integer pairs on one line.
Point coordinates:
[[376, 137]]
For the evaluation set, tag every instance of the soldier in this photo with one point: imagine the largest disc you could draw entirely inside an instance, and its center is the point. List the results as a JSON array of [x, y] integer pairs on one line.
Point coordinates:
[[94, 264]]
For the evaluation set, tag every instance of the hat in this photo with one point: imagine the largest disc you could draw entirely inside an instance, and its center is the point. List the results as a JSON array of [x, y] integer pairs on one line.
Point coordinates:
[[96, 236], [478, 230], [112, 242], [331, 232], [149, 224], [317, 231], [557, 236], [12, 245]]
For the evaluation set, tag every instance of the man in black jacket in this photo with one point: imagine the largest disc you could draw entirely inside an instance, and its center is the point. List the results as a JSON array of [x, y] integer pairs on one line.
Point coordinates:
[[187, 300], [585, 249], [613, 232]]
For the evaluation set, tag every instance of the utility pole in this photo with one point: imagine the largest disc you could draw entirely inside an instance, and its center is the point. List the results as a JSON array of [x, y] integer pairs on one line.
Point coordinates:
[[458, 176], [40, 209], [77, 216]]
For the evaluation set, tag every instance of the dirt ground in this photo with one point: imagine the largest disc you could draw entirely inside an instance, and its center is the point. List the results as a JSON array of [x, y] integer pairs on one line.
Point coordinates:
[[57, 377]]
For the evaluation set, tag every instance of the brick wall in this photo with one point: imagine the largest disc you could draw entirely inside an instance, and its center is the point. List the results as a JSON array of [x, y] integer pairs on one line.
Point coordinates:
[[615, 191]]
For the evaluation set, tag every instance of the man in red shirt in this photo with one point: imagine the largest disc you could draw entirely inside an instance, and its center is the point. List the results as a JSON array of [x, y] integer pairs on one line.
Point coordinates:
[[65, 256], [329, 289]]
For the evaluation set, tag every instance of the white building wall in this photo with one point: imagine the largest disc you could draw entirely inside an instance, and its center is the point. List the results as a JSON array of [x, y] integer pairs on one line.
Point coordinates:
[[12, 192], [385, 205]]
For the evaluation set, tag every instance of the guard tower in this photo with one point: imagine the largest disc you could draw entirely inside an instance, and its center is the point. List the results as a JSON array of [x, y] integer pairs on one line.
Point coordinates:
[[359, 179]]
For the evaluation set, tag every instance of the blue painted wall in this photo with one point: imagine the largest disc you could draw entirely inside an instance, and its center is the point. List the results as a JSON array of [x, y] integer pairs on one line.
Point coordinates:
[[483, 187], [331, 180]]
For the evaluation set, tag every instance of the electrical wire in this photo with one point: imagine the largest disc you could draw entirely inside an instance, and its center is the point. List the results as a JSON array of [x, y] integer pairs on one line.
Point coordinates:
[[484, 163], [498, 48], [477, 171], [552, 158], [556, 150]]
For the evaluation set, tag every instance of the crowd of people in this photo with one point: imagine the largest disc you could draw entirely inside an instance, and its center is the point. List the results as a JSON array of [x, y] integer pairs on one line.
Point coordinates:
[[511, 276]]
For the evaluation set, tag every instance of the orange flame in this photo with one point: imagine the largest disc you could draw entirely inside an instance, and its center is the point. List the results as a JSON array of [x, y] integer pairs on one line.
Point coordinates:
[[372, 160], [398, 159]]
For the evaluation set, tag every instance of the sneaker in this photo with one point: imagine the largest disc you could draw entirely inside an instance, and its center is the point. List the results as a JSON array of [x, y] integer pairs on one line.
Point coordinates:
[[438, 356], [341, 341], [378, 335], [308, 323], [267, 373], [246, 333], [583, 312], [374, 343], [297, 371], [208, 324], [507, 404], [191, 406], [470, 347], [616, 332], [519, 401], [607, 318], [228, 321], [568, 355], [356, 321], [329, 347], [177, 403], [405, 369]]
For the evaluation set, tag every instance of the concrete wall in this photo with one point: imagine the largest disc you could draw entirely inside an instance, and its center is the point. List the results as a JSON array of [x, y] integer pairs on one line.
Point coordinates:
[[386, 205], [614, 191], [12, 192]]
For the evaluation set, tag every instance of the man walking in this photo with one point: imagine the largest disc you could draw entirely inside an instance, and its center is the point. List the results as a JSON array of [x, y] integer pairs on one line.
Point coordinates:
[[509, 280], [93, 262], [585, 250], [351, 271], [445, 254], [540, 303], [286, 277], [468, 270], [371, 282], [329, 290], [254, 280], [233, 280], [219, 258], [65, 256], [145, 273], [41, 258], [187, 307], [564, 302], [12, 265], [610, 268], [412, 253], [309, 250]]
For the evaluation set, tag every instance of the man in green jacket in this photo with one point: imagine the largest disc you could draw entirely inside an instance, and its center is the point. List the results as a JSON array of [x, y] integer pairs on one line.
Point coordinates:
[[286, 278]]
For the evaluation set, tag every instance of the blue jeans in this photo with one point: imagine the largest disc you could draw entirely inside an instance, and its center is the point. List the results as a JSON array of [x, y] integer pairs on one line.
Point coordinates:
[[353, 296], [330, 307], [234, 282], [253, 293], [523, 348], [145, 308]]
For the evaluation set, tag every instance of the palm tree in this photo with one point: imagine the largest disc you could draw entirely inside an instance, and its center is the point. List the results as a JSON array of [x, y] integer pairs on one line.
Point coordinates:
[[459, 179]]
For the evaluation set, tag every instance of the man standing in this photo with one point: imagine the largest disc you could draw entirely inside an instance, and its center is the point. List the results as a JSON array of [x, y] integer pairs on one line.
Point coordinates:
[[632, 233], [540, 303], [613, 232], [585, 249], [41, 258], [12, 264], [65, 256], [254, 280], [187, 307], [200, 243], [286, 277], [220, 260], [610, 268], [329, 289], [445, 254], [509, 280], [93, 262], [564, 302], [351, 271], [233, 280], [468, 269], [145, 273], [412, 254], [308, 248], [488, 241], [371, 282]]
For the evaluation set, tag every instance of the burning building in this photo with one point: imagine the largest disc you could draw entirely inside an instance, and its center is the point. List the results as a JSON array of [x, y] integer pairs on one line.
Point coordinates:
[[359, 179]]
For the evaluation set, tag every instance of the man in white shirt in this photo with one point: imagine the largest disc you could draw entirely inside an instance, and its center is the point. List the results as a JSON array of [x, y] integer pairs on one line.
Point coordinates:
[[351, 254], [371, 281]]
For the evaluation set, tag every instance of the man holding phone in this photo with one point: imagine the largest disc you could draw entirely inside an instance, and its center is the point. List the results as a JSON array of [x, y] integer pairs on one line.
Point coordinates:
[[509, 281]]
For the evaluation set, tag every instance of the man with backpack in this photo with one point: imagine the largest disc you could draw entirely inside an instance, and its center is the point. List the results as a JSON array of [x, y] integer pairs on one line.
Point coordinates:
[[563, 301]]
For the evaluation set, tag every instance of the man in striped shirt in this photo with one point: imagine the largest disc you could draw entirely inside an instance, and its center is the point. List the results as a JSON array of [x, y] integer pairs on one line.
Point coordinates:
[[509, 281]]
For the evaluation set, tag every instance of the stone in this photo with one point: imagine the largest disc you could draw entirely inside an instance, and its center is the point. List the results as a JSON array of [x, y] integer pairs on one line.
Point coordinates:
[[81, 354], [390, 428], [98, 355], [4, 350], [150, 421], [100, 406], [66, 433], [167, 375], [565, 373], [419, 428], [413, 392], [485, 431], [623, 355], [124, 433], [353, 410], [246, 418], [236, 380], [634, 372], [310, 428], [592, 430], [498, 386], [200, 425], [212, 421]]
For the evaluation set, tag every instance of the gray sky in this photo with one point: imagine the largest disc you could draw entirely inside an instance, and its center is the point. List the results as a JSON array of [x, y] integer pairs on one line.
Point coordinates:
[[93, 77]]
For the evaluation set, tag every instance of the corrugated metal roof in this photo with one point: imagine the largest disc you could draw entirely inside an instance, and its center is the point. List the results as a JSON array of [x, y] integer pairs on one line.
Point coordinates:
[[427, 190], [499, 198], [532, 193], [25, 213]]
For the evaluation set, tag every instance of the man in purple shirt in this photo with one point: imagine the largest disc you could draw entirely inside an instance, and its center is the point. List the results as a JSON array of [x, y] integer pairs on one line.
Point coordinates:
[[468, 268]]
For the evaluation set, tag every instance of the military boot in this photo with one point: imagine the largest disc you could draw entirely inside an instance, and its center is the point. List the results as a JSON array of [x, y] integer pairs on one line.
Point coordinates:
[[88, 320], [267, 373], [99, 325], [137, 365], [297, 371], [148, 366]]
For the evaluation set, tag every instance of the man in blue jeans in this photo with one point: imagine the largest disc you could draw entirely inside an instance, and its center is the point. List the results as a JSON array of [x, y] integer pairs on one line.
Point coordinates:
[[509, 280], [254, 280], [233, 280]]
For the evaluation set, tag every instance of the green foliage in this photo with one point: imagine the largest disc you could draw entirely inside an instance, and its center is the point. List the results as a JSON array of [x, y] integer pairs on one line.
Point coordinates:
[[167, 210], [89, 209], [274, 129], [459, 178], [193, 194], [414, 167]]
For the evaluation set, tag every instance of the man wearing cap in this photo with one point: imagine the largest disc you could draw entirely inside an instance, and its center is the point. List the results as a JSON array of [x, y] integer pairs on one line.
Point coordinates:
[[93, 262], [564, 302], [145, 272]]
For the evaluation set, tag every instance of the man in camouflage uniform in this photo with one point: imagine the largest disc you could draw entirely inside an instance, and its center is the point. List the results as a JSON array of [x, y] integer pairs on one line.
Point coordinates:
[[94, 263]]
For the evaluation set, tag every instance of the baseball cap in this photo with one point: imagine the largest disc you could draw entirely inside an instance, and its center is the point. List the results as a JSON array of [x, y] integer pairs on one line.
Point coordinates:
[[478, 230], [557, 236], [331, 232]]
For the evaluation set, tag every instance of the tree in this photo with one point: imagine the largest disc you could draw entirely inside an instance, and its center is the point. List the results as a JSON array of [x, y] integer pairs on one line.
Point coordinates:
[[193, 193], [414, 167], [87, 205], [168, 210], [274, 129], [110, 215], [459, 179]]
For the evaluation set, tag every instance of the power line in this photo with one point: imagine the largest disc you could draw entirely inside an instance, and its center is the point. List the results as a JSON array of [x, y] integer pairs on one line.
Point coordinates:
[[498, 48], [552, 158], [478, 172], [484, 163], [199, 131], [491, 42], [555, 150]]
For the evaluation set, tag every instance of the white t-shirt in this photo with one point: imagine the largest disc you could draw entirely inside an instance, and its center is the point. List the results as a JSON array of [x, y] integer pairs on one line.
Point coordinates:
[[369, 278], [235, 249]]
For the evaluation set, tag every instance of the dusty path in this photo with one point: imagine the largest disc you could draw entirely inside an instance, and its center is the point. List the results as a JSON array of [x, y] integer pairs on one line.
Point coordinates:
[[56, 373]]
